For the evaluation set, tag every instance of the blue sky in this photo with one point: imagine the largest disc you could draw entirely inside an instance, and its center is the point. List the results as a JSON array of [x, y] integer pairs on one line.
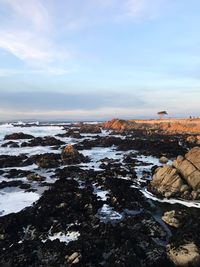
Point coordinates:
[[94, 59]]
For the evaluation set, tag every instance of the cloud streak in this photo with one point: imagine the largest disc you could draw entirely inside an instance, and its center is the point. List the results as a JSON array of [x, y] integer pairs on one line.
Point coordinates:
[[47, 101], [33, 11]]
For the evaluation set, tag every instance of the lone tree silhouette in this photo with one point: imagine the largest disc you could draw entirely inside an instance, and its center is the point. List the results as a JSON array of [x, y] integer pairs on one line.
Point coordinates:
[[161, 114]]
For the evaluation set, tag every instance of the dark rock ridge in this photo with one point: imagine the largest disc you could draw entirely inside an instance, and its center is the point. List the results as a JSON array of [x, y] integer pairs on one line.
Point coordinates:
[[43, 141], [156, 146], [182, 179], [15, 136], [12, 161]]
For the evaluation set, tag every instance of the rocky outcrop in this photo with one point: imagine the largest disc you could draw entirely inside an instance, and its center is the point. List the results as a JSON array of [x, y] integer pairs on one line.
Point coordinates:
[[119, 125], [90, 128], [43, 141], [166, 182], [168, 126], [189, 167], [15, 136], [182, 179], [70, 155], [12, 161], [48, 160], [185, 255]]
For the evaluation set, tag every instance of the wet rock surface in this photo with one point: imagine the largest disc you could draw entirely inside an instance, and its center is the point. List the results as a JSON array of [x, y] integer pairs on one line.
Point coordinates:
[[15, 136], [93, 210], [43, 141]]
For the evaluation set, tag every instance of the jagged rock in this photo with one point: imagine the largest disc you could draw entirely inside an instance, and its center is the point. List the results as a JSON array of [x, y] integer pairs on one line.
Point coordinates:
[[70, 155], [173, 218], [90, 128], [12, 161], [184, 256], [15, 136], [119, 125], [166, 181], [182, 179], [48, 160], [189, 167], [43, 141]]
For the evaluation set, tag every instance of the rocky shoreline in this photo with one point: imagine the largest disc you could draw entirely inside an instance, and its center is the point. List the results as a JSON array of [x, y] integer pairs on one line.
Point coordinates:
[[91, 208]]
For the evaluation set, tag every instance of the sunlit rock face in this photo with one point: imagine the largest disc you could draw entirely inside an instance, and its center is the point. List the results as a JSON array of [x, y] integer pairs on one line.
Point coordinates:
[[119, 125], [70, 155], [182, 179]]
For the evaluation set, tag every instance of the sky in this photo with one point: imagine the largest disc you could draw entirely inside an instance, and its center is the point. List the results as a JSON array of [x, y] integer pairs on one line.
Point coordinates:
[[95, 59]]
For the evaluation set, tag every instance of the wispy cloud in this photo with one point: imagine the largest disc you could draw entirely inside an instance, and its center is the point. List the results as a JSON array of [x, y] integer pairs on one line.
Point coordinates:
[[46, 71], [26, 46], [32, 29], [33, 11], [142, 8], [27, 33]]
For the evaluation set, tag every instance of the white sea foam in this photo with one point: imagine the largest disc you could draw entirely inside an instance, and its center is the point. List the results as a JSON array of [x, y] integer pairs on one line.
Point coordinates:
[[14, 200], [36, 150], [66, 238], [37, 131], [102, 194], [194, 204], [98, 153], [106, 213]]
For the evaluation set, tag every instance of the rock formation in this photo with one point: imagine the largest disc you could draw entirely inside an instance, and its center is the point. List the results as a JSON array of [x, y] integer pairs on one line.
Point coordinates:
[[15, 136], [182, 179], [70, 155], [119, 125]]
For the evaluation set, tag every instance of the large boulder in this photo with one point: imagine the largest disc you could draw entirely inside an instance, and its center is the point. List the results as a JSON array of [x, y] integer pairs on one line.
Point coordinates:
[[70, 155], [166, 181], [189, 167], [182, 179], [185, 255]]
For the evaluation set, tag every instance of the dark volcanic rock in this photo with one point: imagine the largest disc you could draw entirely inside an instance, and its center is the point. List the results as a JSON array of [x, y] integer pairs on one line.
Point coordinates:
[[10, 144], [4, 184], [73, 133], [43, 141], [65, 206], [156, 146], [15, 136], [16, 173], [90, 128], [12, 161], [48, 160]]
